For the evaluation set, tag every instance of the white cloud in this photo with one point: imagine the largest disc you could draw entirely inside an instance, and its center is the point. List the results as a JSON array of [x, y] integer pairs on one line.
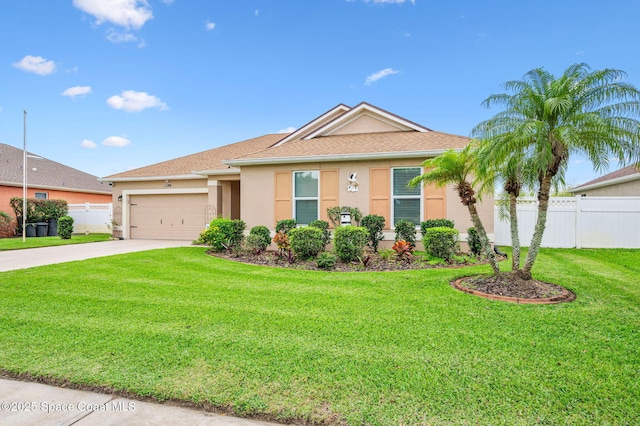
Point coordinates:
[[132, 101], [71, 70], [209, 25], [86, 143], [117, 37], [380, 74], [124, 13], [36, 64], [116, 141], [287, 130], [72, 92]]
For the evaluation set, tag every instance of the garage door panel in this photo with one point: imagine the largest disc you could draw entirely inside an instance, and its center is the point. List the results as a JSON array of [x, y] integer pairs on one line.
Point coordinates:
[[171, 216]]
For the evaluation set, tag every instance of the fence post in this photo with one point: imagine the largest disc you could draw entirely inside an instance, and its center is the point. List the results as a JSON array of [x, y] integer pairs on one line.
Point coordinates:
[[578, 221]]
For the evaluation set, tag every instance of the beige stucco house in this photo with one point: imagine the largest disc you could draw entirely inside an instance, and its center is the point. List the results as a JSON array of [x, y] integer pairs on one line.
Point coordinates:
[[359, 156], [624, 182]]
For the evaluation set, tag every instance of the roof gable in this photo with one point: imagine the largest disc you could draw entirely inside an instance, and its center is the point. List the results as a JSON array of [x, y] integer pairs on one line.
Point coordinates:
[[314, 124]]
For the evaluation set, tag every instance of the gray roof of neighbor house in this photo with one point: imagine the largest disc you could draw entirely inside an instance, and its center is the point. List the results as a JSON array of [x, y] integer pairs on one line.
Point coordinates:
[[47, 174], [631, 172]]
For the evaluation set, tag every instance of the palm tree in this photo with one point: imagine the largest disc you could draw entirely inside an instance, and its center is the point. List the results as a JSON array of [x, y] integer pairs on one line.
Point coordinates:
[[453, 167], [547, 119]]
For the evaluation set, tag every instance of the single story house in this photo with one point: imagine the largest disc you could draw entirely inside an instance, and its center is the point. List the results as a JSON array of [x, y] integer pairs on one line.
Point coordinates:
[[46, 179], [360, 156], [624, 182]]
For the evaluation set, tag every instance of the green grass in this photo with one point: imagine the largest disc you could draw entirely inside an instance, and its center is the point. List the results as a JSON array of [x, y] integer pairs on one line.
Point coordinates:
[[361, 348], [34, 242]]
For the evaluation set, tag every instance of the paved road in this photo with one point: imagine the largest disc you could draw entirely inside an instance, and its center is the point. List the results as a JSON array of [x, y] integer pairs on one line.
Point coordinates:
[[19, 259]]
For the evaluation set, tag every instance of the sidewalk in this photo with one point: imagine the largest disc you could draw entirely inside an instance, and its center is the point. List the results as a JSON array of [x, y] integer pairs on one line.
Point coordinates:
[[26, 403]]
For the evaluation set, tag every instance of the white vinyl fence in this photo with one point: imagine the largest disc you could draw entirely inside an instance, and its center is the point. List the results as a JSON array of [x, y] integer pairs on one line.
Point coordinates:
[[91, 217], [582, 222]]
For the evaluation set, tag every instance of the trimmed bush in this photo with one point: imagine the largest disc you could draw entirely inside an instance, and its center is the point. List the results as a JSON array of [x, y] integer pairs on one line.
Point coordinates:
[[259, 238], [224, 234], [286, 225], [435, 223], [326, 260], [374, 224], [473, 239], [349, 242], [6, 225], [406, 230], [323, 226], [441, 242], [306, 242], [65, 227]]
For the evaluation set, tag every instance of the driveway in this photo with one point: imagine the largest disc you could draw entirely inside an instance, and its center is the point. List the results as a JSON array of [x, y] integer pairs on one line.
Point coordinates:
[[19, 259]]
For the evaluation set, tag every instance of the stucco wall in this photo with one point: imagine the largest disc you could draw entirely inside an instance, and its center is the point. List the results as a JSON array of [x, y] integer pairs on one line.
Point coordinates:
[[8, 192], [625, 189], [257, 192]]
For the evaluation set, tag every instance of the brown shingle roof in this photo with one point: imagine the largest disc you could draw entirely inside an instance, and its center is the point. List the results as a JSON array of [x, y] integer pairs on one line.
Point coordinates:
[[626, 171], [48, 174], [362, 143], [205, 160]]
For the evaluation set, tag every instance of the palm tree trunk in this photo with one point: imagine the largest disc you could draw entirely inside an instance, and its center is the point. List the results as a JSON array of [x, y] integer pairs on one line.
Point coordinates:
[[536, 240], [486, 247], [515, 238]]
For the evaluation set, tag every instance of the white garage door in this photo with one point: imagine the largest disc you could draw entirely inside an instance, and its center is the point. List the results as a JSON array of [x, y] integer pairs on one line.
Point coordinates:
[[167, 217]]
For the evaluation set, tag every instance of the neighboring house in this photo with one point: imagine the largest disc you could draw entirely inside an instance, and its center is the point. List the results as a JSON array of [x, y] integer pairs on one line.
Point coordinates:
[[358, 157], [621, 183], [46, 179]]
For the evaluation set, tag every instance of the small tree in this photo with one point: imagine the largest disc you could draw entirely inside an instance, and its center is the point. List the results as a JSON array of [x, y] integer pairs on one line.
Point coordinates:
[[374, 224]]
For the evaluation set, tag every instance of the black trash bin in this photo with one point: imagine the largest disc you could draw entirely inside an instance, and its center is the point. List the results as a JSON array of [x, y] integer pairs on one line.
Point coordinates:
[[31, 230], [52, 231], [41, 229]]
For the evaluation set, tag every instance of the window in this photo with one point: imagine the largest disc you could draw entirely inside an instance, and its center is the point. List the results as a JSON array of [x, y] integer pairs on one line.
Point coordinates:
[[407, 201], [305, 196], [41, 195]]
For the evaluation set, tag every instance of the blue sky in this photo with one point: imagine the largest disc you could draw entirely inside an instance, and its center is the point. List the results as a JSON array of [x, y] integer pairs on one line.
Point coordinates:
[[111, 85]]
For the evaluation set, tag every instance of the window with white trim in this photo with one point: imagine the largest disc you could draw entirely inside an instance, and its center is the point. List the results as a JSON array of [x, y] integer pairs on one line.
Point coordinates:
[[407, 201], [306, 186]]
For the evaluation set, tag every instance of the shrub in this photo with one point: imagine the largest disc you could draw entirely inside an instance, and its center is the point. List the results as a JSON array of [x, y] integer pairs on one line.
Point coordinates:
[[403, 251], [259, 239], [281, 240], [349, 242], [333, 213], [6, 225], [224, 234], [65, 227], [374, 224], [473, 239], [435, 223], [306, 242], [326, 260], [286, 225], [52, 209], [441, 242], [406, 230], [323, 226]]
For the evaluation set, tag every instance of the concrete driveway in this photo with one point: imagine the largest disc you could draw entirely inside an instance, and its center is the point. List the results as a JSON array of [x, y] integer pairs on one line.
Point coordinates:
[[19, 259]]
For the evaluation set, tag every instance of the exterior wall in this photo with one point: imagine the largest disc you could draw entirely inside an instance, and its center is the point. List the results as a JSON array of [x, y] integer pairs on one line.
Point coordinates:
[[365, 124], [8, 192], [625, 189], [261, 205]]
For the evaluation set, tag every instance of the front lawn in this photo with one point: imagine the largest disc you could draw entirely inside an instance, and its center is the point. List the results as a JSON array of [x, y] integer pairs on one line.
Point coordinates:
[[359, 347], [34, 242]]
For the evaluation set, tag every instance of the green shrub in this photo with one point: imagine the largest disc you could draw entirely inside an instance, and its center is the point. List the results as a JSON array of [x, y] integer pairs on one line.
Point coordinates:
[[306, 242], [286, 225], [406, 230], [224, 234], [65, 227], [473, 239], [6, 225], [333, 213], [349, 242], [326, 260], [435, 223], [374, 224], [441, 242], [259, 239], [323, 226]]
